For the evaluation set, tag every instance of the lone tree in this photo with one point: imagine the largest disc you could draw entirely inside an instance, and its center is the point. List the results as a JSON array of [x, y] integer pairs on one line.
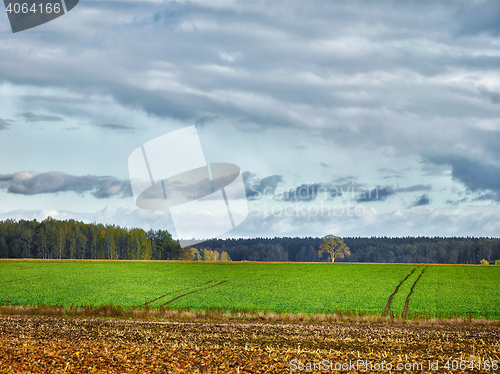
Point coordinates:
[[334, 246]]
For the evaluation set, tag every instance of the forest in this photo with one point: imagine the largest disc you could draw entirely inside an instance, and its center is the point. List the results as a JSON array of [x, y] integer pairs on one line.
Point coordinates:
[[69, 239], [438, 250]]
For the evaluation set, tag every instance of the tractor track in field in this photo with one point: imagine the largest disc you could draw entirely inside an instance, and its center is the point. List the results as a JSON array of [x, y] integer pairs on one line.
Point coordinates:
[[191, 292], [403, 315], [389, 301], [169, 293]]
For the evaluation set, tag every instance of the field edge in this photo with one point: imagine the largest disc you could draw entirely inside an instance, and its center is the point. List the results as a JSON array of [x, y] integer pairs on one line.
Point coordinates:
[[167, 314]]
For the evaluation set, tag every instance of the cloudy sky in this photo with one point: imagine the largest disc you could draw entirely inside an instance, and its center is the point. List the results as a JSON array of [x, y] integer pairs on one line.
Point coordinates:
[[347, 118]]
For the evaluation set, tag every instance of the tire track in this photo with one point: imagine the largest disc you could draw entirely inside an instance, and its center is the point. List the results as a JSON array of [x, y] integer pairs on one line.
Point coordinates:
[[388, 306], [189, 293], [171, 292], [403, 315]]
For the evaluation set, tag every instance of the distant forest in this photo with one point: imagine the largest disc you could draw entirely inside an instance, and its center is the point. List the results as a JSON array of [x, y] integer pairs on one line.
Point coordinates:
[[376, 249], [55, 239]]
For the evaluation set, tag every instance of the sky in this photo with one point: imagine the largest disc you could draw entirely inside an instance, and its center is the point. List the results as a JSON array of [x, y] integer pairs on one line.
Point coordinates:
[[370, 118]]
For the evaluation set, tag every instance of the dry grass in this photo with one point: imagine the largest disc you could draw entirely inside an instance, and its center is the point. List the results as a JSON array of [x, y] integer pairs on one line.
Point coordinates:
[[162, 313]]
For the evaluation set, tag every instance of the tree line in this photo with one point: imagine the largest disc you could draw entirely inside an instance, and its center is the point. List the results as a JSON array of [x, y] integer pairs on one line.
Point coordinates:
[[438, 250], [69, 239]]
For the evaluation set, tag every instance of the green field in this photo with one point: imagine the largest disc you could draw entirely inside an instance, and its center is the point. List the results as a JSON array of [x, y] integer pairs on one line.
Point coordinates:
[[443, 290]]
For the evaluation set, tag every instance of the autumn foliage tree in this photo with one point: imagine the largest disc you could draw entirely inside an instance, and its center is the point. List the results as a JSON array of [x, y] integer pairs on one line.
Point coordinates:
[[334, 246], [202, 254]]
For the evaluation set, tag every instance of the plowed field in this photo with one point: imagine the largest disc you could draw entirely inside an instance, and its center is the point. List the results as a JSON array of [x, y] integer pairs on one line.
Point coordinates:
[[77, 345]]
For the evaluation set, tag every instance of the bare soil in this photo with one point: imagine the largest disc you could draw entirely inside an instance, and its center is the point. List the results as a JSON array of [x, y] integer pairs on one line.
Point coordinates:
[[79, 345]]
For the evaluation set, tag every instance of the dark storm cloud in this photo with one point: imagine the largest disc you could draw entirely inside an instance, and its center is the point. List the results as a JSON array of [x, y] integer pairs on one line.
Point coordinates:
[[476, 176], [422, 200], [32, 183], [113, 126], [33, 117]]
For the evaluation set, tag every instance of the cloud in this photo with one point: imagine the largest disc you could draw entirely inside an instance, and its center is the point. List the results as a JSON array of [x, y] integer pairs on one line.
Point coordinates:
[[4, 124], [475, 175], [457, 202], [387, 170], [172, 14], [448, 221], [344, 65], [305, 192], [308, 192], [345, 180], [110, 215], [432, 170], [380, 84], [256, 188], [113, 126], [33, 183], [272, 187], [390, 173], [495, 196], [422, 200], [32, 117], [425, 221], [478, 18], [376, 194], [417, 187], [492, 96]]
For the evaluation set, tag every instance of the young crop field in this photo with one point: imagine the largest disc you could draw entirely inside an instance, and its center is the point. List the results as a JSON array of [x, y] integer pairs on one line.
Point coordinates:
[[313, 288]]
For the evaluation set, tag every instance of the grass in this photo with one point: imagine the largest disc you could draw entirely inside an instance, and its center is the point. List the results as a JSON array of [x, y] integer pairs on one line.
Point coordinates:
[[399, 298], [315, 288], [463, 290]]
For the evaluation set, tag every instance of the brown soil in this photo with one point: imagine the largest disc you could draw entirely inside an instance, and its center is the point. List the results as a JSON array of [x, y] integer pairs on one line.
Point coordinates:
[[56, 345]]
